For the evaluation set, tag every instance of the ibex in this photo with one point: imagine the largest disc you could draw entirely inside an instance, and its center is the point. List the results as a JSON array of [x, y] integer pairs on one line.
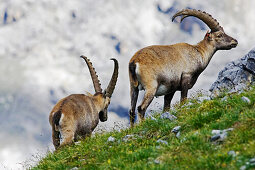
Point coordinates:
[[77, 115], [165, 69]]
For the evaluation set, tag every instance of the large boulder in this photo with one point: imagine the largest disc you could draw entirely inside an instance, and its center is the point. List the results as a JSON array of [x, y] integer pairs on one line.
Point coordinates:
[[236, 76]]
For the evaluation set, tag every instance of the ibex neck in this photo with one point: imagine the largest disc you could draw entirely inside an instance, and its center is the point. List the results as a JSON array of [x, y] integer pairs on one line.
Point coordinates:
[[207, 50], [99, 101]]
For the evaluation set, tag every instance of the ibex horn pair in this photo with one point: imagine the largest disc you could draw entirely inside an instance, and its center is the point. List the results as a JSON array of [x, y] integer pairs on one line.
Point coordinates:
[[165, 69], [96, 82], [77, 115]]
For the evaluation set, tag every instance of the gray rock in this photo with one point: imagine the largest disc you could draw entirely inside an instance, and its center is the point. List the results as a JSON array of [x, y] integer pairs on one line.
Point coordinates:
[[167, 115], [176, 129], [215, 138], [128, 137], [216, 132], [232, 153], [162, 141], [111, 139], [246, 99], [236, 76], [220, 135]]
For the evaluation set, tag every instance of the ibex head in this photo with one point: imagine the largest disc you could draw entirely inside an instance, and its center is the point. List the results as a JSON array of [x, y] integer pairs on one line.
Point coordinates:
[[217, 36], [107, 94]]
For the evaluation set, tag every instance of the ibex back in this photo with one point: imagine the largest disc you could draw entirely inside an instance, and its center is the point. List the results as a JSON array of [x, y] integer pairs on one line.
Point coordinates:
[[77, 115], [165, 69]]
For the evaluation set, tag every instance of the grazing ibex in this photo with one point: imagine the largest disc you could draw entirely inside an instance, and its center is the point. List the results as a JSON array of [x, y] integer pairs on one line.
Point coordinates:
[[165, 69], [77, 115]]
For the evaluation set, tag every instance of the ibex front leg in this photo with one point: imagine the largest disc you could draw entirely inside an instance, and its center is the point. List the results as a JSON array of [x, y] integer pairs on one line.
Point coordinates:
[[185, 84], [167, 101]]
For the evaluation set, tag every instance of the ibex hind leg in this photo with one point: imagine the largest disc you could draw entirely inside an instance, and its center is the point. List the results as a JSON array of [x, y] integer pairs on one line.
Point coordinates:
[[148, 97], [68, 134], [133, 95], [55, 138]]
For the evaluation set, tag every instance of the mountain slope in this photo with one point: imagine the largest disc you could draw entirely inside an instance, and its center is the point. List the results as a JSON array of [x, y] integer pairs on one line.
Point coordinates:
[[151, 144]]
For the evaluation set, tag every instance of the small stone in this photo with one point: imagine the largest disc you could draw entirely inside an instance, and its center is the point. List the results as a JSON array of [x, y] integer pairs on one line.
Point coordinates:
[[187, 104], [77, 143], [183, 139], [111, 139], [229, 129], [224, 99], [152, 118], [128, 137], [156, 161], [219, 137], [203, 98], [246, 99], [178, 134], [216, 132], [157, 147], [243, 167], [252, 161], [167, 115], [162, 141], [215, 137], [232, 153], [176, 129], [74, 168]]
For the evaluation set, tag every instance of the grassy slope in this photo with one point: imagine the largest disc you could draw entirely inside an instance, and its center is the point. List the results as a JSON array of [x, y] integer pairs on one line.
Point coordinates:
[[192, 150]]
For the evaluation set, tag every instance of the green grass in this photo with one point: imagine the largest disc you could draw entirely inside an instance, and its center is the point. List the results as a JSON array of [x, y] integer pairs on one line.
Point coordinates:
[[193, 150]]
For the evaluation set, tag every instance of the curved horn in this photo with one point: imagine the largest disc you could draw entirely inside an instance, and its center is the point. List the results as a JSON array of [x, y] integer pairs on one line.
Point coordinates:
[[93, 74], [205, 17], [111, 86]]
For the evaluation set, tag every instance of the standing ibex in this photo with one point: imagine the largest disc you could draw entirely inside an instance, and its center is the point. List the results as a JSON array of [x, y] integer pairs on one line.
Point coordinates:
[[77, 115], [164, 69]]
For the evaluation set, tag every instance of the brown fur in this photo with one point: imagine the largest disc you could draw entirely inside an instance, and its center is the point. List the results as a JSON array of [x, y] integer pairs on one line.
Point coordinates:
[[171, 68], [79, 117]]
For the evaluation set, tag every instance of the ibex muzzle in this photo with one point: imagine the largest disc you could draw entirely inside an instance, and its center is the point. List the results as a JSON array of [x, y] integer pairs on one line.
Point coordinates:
[[77, 115], [165, 69]]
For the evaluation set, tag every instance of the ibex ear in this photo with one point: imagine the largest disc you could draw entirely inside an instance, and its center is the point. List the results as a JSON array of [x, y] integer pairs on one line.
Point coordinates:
[[208, 36]]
